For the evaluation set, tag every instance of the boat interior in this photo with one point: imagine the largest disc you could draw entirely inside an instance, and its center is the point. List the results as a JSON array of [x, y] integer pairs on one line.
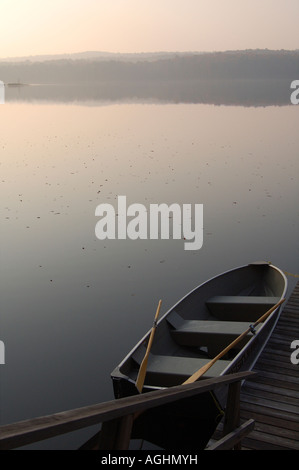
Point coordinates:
[[202, 324]]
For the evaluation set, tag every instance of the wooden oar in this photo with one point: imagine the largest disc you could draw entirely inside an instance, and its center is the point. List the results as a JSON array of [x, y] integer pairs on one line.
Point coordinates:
[[203, 369], [143, 366]]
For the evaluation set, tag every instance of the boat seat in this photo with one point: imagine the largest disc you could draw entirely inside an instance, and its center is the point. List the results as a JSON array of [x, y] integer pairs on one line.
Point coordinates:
[[174, 370], [240, 307], [210, 333]]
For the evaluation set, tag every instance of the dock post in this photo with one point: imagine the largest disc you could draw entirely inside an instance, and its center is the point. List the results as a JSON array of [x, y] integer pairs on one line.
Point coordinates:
[[232, 412]]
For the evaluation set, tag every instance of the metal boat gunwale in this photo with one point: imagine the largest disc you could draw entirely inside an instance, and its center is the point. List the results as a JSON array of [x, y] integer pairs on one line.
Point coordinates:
[[240, 354], [263, 327]]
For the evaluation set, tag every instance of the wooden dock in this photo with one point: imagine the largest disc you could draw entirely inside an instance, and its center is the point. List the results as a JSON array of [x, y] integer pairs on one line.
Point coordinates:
[[272, 397], [118, 416]]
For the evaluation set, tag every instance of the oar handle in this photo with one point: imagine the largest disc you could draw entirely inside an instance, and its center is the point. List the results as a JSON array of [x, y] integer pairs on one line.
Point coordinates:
[[142, 370], [153, 328]]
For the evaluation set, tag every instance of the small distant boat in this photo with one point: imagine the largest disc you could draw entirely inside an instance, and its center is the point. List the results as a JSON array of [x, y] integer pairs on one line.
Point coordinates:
[[189, 336], [15, 84]]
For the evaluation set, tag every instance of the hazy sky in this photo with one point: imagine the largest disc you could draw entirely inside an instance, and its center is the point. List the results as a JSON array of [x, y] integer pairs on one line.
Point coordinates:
[[30, 27]]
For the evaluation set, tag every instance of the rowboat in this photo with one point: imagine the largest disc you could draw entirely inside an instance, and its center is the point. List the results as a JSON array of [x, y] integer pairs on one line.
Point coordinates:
[[187, 337]]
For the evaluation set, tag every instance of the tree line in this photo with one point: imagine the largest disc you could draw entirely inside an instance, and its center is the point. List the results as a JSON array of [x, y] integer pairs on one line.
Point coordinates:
[[230, 65]]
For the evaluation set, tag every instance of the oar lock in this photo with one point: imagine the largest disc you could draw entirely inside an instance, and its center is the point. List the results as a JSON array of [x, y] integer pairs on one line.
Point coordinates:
[[252, 329]]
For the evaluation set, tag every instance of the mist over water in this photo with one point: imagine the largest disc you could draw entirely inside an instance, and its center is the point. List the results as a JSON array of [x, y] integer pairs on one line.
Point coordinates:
[[219, 92]]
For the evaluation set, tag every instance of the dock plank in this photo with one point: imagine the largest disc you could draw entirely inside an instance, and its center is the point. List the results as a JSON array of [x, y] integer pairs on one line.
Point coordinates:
[[271, 398]]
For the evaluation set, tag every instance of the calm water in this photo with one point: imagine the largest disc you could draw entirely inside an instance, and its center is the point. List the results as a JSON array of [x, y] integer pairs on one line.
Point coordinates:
[[71, 305]]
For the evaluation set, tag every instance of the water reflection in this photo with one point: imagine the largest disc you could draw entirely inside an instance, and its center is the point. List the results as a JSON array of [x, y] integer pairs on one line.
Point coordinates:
[[72, 306], [218, 92]]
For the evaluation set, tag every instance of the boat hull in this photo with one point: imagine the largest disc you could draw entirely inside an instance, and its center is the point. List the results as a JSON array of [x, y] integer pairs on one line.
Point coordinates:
[[191, 333]]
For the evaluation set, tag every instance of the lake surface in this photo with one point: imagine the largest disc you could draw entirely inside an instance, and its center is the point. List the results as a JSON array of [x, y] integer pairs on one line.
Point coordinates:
[[72, 306]]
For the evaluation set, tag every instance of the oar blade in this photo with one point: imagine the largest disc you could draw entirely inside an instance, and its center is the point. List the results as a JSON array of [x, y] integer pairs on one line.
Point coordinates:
[[141, 375], [198, 373]]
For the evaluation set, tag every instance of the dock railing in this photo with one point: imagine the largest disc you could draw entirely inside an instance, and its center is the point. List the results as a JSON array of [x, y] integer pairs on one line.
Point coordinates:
[[117, 417]]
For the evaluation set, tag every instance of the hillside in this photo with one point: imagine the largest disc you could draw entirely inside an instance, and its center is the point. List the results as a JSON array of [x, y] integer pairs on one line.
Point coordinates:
[[249, 65]]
